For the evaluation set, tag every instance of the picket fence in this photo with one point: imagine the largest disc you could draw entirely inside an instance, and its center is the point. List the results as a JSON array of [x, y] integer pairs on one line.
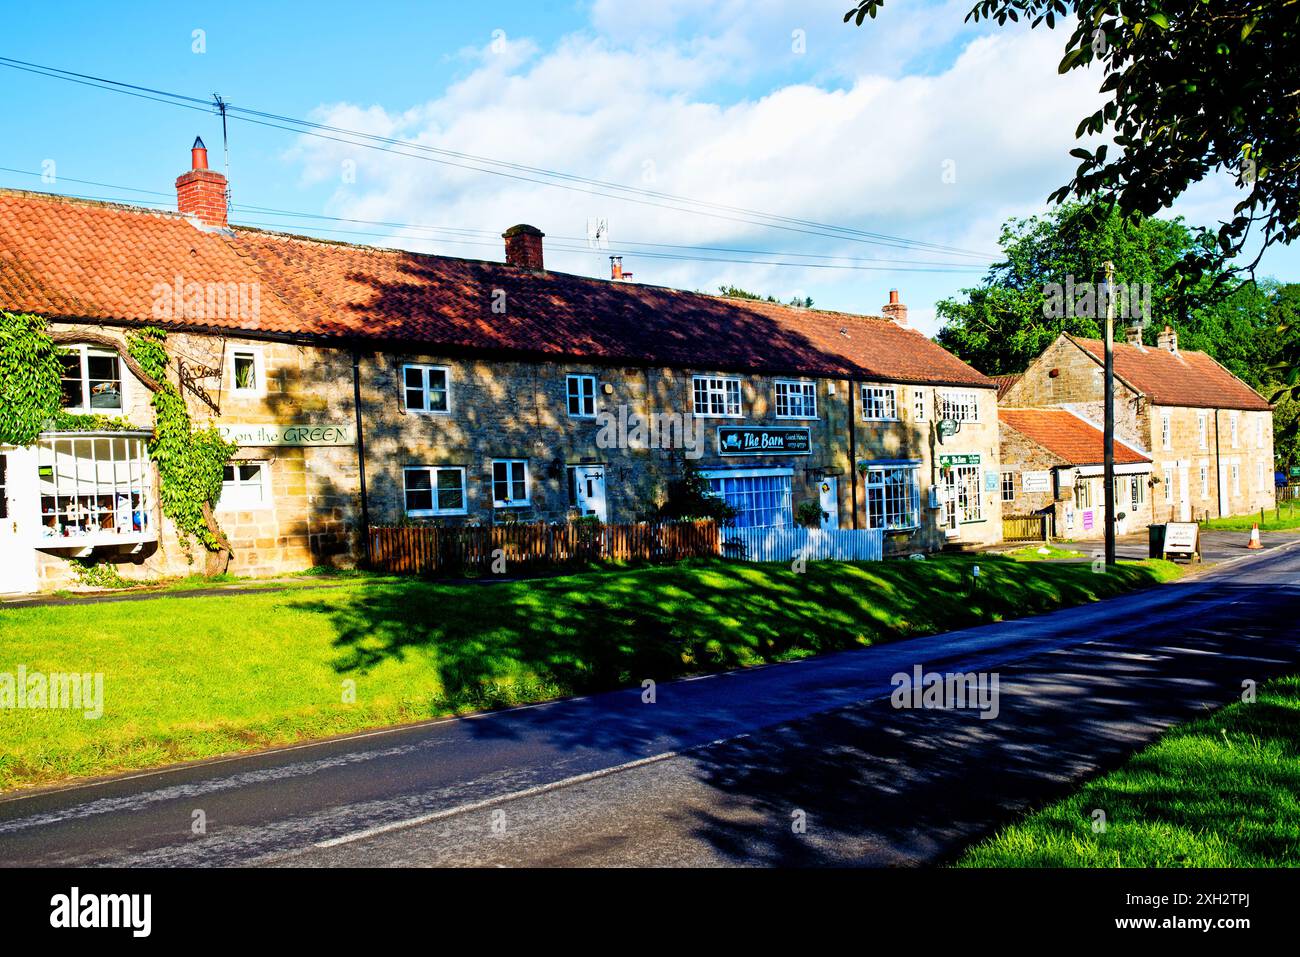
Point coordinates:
[[812, 544]]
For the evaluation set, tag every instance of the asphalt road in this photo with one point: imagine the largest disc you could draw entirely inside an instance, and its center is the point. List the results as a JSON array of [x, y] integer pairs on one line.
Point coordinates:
[[718, 770]]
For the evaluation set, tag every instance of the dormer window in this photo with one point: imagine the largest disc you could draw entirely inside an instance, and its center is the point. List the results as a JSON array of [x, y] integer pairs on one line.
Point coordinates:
[[91, 380]]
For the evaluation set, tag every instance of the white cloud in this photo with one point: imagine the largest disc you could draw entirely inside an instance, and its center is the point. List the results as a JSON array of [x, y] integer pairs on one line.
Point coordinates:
[[639, 104]]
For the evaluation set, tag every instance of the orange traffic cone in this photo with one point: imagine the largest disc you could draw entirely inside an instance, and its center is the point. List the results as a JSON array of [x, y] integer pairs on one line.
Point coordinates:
[[1254, 537]]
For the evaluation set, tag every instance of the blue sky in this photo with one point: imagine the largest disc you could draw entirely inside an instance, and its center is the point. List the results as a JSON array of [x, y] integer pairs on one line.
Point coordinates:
[[915, 126]]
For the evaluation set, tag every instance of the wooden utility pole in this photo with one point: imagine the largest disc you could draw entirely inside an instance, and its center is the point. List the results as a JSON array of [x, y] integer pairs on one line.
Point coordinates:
[[1108, 454]]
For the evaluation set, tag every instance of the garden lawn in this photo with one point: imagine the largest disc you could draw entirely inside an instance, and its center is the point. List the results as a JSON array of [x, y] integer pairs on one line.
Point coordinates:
[[1222, 791], [1283, 518], [199, 676]]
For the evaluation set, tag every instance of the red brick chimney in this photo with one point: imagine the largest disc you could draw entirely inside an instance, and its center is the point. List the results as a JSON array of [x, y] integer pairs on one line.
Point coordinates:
[[524, 247], [201, 192], [894, 309]]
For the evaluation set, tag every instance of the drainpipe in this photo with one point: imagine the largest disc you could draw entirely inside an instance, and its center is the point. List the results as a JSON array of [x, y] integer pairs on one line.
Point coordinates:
[[853, 453], [361, 456], [1218, 468]]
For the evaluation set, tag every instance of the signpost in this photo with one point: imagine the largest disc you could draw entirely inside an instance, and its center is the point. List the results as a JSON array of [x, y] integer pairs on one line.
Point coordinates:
[[764, 440], [1036, 481], [1183, 540]]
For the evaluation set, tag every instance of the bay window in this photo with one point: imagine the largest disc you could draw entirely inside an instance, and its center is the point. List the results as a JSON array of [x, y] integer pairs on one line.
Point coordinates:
[[893, 496], [94, 487], [761, 497]]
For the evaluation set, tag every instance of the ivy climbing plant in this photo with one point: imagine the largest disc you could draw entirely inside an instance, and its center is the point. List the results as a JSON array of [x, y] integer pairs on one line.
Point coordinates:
[[190, 460], [29, 378]]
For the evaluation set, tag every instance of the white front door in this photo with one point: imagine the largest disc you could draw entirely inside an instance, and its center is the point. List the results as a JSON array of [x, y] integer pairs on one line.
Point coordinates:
[[17, 518], [1184, 494], [830, 502], [589, 489]]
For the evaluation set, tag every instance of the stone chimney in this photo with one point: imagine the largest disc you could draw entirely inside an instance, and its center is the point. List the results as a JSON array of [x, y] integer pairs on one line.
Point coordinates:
[[201, 192], [524, 247], [894, 309], [1168, 340], [1133, 335]]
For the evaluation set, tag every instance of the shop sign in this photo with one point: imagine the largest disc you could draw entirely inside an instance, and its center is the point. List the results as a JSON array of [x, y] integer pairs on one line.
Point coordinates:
[[301, 434], [968, 458], [760, 440], [1036, 481]]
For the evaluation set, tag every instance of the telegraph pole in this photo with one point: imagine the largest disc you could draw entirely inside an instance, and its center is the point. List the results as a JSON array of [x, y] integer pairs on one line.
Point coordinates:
[[1108, 454]]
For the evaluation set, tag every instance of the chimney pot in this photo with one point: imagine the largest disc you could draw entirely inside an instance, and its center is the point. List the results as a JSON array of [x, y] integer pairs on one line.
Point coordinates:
[[201, 193], [616, 267], [524, 247], [894, 309], [1168, 340]]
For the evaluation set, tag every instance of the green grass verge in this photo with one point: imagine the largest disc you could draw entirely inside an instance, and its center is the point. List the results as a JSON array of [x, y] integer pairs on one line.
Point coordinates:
[[1284, 518], [198, 676], [1222, 791], [1048, 553]]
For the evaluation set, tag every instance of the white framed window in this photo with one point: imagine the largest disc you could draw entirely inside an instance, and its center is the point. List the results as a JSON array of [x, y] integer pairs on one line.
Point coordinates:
[[247, 372], [433, 490], [1205, 481], [960, 406], [761, 497], [796, 400], [918, 405], [1202, 435], [95, 487], [509, 482], [91, 380], [893, 496], [1008, 486], [426, 389], [1234, 421], [879, 403], [716, 397], [1166, 432], [1236, 479], [245, 486], [1169, 486], [580, 392]]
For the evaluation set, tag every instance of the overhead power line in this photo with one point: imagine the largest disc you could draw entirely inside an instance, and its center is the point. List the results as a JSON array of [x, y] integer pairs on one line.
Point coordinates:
[[461, 235], [492, 166]]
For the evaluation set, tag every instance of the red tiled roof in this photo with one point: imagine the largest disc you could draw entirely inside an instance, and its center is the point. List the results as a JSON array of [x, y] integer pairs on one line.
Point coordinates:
[[1004, 383], [1066, 435], [77, 259], [1187, 378]]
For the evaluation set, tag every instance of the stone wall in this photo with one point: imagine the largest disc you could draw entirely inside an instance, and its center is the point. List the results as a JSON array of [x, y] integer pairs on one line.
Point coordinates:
[[507, 409]]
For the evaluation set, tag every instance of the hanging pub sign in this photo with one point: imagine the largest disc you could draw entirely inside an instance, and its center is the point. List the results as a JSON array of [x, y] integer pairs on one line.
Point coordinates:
[[763, 440], [294, 434]]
